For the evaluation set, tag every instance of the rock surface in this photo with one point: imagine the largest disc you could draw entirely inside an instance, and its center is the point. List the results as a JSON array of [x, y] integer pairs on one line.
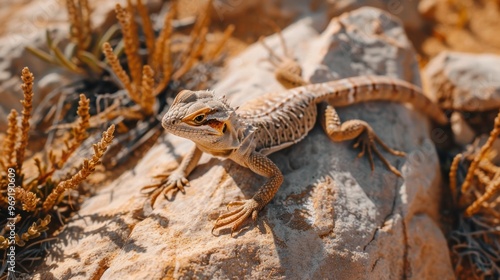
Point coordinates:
[[469, 85], [283, 12], [462, 81], [332, 218]]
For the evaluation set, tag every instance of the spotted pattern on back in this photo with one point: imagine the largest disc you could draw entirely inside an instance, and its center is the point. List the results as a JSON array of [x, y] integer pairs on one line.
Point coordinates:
[[281, 118], [284, 118]]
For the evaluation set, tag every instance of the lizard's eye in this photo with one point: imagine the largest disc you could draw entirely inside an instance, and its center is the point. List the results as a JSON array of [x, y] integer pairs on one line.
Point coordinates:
[[199, 118]]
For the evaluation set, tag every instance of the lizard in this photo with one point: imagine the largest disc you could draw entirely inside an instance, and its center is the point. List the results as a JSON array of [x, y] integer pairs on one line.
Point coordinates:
[[274, 121]]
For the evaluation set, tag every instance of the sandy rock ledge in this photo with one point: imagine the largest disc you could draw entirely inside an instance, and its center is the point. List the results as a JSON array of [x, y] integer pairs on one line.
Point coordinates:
[[469, 86], [332, 218]]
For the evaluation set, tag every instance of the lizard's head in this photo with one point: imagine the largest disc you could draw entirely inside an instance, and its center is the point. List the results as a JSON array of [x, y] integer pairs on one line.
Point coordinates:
[[203, 118]]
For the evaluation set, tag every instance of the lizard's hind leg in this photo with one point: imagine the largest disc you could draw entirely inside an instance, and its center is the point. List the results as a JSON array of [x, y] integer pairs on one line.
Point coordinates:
[[351, 129]]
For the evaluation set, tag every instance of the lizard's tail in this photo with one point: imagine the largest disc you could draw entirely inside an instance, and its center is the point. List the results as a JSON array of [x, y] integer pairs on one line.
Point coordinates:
[[345, 92]]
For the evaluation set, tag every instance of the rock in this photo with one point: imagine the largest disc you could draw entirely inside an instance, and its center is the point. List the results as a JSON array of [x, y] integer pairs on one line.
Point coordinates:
[[469, 85], [406, 11], [283, 12], [466, 82], [332, 218], [364, 43], [461, 130]]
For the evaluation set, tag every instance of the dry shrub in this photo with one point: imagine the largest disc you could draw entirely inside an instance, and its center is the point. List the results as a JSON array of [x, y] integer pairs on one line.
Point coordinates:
[[475, 243], [165, 63], [28, 203]]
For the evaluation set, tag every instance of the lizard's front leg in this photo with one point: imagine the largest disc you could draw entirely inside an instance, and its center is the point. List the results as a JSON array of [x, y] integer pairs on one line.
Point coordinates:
[[263, 166], [176, 180], [348, 130]]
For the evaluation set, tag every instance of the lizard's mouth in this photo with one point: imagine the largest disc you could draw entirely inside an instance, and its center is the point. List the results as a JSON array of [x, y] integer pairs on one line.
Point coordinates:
[[218, 126]]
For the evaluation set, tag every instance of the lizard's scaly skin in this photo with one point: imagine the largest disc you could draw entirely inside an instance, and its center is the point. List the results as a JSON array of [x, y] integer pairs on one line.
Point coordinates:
[[278, 120], [285, 117]]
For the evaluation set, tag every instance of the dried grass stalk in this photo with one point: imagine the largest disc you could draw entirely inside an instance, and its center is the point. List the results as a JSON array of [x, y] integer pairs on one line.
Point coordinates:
[[131, 42], [79, 130], [147, 96], [79, 18], [83, 111], [133, 30], [491, 189], [75, 20], [488, 166], [164, 64], [28, 199], [34, 231], [79, 134], [27, 87], [86, 17], [146, 26], [193, 56], [453, 176], [120, 73], [220, 46], [482, 154], [482, 177], [163, 40], [41, 168], [167, 68], [85, 171], [8, 150], [203, 21]]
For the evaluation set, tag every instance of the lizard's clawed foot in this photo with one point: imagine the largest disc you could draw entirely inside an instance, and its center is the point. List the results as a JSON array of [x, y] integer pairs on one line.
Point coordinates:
[[235, 218], [367, 142], [172, 182]]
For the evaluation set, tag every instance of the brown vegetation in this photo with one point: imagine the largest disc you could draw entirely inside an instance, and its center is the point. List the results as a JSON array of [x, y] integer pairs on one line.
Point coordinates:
[[148, 80], [474, 242], [28, 200]]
